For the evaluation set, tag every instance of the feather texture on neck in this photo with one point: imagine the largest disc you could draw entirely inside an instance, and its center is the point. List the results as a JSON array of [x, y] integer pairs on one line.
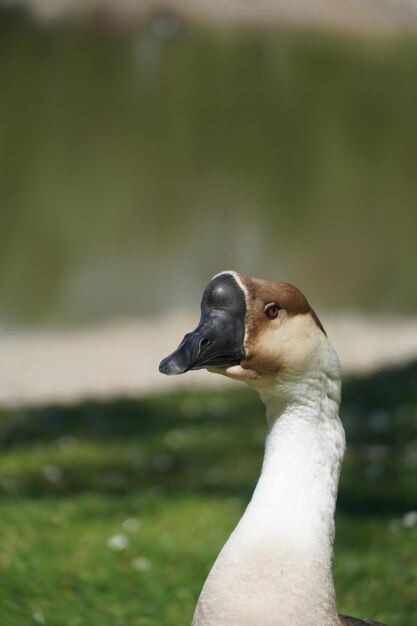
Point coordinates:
[[276, 568]]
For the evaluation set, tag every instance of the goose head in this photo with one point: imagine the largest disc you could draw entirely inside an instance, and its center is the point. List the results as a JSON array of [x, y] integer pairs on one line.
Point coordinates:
[[263, 333]]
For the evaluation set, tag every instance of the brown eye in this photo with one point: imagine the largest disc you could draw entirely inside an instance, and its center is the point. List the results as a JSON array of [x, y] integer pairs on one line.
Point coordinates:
[[271, 310]]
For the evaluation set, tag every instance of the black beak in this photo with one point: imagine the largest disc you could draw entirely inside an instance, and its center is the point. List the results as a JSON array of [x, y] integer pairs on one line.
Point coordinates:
[[218, 340]]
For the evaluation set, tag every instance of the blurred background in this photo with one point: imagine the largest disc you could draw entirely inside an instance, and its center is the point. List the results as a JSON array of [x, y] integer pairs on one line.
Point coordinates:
[[137, 160], [144, 147]]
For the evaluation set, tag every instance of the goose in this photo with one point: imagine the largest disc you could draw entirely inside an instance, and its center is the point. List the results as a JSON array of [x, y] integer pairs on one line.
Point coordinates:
[[276, 567]]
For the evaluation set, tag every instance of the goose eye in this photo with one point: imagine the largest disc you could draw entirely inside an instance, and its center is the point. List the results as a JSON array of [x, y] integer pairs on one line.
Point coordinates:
[[271, 310]]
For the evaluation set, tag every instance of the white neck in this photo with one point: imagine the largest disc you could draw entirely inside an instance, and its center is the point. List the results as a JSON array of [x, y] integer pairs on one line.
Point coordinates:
[[276, 568]]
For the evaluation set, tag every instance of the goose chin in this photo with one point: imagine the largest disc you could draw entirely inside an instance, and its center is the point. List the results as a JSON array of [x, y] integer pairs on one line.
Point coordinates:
[[221, 361]]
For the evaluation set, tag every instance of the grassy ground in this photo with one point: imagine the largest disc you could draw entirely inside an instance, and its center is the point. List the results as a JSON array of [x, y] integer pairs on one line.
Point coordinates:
[[165, 480]]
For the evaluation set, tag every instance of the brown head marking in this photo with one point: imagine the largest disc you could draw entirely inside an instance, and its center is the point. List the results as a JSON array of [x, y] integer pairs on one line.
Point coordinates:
[[261, 298]]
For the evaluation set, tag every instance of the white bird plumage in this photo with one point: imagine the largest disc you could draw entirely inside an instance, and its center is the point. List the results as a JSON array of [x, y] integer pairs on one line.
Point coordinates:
[[276, 567]]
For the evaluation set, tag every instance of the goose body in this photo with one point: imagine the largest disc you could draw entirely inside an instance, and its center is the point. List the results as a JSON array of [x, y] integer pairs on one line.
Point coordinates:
[[276, 567]]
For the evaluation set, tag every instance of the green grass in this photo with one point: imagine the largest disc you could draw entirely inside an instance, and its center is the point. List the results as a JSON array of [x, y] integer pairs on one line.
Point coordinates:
[[183, 466]]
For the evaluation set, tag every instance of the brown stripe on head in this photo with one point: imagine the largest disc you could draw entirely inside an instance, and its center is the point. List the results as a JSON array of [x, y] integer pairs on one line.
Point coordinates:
[[269, 346], [262, 292]]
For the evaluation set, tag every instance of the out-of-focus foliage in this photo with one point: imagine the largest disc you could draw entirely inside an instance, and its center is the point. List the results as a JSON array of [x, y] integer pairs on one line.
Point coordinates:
[[184, 466], [134, 165]]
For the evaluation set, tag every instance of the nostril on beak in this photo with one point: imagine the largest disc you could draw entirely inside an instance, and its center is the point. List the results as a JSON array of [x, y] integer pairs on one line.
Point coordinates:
[[204, 342]]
